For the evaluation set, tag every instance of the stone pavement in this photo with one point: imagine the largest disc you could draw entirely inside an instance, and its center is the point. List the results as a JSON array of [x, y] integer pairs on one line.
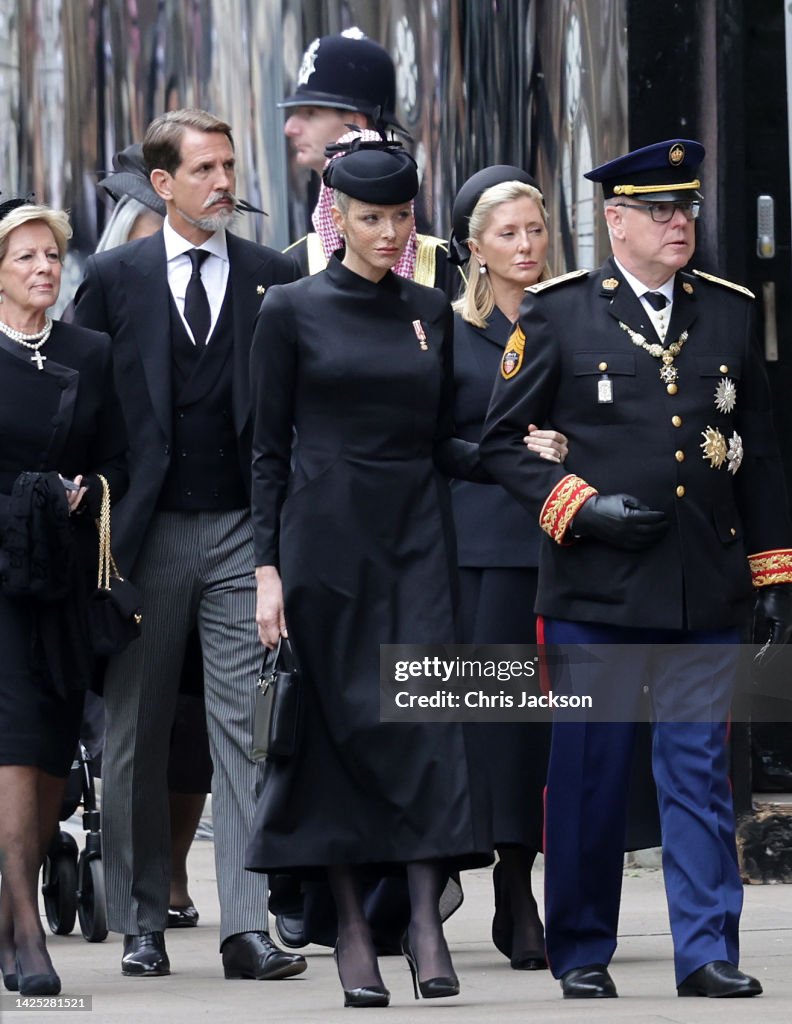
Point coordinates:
[[491, 991]]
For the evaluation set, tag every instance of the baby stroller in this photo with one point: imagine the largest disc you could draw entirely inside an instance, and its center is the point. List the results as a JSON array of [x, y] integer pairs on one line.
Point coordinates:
[[72, 883]]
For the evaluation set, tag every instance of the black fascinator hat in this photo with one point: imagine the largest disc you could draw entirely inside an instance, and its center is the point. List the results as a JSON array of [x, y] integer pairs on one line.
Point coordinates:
[[130, 178], [465, 203], [14, 203], [378, 171]]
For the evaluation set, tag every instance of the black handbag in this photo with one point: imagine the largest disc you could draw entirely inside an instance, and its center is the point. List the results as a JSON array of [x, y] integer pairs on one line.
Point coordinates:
[[276, 718], [115, 607]]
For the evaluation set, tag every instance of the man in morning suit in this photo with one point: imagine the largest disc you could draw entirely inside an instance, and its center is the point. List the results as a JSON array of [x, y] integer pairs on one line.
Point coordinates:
[[180, 307], [665, 525]]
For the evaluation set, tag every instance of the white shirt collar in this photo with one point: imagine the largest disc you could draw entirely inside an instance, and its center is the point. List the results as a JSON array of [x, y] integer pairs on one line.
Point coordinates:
[[178, 245], [640, 288]]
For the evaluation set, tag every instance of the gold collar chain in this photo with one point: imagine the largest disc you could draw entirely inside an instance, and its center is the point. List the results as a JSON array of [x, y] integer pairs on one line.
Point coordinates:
[[669, 374]]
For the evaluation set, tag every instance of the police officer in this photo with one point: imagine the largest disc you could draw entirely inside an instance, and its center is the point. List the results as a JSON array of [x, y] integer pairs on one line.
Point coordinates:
[[663, 526], [344, 80]]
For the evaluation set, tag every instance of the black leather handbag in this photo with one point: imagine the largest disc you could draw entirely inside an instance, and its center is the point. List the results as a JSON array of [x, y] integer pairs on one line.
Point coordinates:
[[115, 607], [277, 714]]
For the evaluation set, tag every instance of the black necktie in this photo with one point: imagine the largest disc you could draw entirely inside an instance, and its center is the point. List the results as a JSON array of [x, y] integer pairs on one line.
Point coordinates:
[[196, 304], [656, 300]]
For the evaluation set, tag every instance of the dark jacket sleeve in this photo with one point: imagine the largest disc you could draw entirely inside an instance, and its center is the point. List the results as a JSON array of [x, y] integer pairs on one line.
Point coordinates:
[[273, 377], [453, 456], [90, 306], [107, 451]]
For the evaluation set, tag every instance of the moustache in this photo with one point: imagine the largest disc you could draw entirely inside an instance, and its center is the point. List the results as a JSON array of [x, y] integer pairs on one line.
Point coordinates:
[[218, 197]]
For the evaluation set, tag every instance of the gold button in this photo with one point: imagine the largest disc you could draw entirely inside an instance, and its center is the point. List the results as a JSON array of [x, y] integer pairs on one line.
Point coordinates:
[[724, 368], [672, 389], [679, 456], [677, 421], [603, 367], [680, 491], [733, 532]]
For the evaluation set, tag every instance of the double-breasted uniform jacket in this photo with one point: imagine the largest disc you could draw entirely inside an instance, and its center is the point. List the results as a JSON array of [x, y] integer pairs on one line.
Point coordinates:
[[703, 451], [126, 293]]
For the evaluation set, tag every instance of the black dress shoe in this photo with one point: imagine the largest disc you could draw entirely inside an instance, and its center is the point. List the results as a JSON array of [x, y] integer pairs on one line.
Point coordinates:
[[255, 955], [183, 917], [719, 980], [10, 981], [145, 956], [590, 982], [291, 929]]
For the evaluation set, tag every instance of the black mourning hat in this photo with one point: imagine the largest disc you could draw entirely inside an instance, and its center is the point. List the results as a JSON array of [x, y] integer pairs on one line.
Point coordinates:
[[130, 178], [664, 172], [373, 172], [7, 205], [350, 72], [465, 203]]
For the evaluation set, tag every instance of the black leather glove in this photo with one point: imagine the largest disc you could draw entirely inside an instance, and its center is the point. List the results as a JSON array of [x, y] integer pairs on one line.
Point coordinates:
[[620, 520], [772, 621]]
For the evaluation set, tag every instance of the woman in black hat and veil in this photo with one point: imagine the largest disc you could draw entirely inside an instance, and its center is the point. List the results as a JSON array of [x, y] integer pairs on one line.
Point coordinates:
[[354, 548]]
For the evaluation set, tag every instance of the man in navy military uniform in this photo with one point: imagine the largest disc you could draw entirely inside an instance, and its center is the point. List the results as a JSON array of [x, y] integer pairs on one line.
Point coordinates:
[[664, 525]]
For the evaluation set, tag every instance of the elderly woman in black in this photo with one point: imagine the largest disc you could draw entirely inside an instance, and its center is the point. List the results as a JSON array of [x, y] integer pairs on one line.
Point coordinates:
[[354, 548], [59, 427]]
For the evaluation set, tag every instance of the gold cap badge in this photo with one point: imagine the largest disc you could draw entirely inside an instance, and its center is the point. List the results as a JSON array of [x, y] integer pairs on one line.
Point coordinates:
[[676, 154]]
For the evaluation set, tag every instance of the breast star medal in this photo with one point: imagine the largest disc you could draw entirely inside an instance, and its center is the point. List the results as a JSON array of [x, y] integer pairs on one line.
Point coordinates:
[[725, 395], [420, 334], [734, 456], [714, 447]]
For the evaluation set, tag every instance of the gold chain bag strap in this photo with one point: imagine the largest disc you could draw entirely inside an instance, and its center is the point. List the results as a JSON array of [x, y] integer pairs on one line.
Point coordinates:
[[115, 607]]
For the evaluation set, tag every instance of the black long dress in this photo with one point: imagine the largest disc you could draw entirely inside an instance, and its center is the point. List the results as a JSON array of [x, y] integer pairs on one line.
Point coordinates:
[[364, 543], [64, 417], [498, 544]]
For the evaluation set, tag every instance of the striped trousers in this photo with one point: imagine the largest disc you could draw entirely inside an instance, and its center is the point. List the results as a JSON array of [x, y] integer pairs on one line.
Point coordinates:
[[194, 568]]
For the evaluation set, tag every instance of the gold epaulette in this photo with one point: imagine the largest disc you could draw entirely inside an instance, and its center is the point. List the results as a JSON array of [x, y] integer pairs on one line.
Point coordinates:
[[426, 259], [541, 285], [726, 284], [770, 567], [562, 504]]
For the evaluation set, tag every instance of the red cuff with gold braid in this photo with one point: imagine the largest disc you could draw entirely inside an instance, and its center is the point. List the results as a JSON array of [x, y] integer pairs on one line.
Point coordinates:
[[562, 504], [769, 567]]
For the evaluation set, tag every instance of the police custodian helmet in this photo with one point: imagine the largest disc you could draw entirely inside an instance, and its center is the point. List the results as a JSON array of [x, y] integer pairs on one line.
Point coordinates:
[[348, 72]]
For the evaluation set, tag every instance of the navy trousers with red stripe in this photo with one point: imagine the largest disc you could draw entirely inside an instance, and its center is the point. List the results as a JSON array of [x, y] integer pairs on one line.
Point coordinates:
[[586, 800]]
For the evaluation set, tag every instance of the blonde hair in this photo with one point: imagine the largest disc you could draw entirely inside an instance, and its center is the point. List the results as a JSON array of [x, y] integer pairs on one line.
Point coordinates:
[[478, 300], [56, 220]]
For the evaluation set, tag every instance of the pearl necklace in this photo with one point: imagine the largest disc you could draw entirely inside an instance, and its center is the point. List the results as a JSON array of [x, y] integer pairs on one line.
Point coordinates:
[[669, 374], [31, 341]]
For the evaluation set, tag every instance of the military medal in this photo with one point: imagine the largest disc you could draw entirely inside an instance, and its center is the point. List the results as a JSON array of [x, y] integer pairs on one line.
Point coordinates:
[[714, 447], [420, 334], [605, 390], [725, 395], [669, 374], [734, 456]]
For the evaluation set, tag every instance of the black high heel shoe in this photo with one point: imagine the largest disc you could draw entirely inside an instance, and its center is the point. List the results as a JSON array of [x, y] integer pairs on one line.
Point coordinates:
[[10, 981], [366, 995], [48, 984], [433, 988]]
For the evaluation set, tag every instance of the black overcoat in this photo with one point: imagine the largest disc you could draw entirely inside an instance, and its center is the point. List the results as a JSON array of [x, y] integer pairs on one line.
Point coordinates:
[[357, 518]]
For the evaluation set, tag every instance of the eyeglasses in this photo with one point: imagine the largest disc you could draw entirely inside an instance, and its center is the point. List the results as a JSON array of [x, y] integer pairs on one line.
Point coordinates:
[[661, 213]]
